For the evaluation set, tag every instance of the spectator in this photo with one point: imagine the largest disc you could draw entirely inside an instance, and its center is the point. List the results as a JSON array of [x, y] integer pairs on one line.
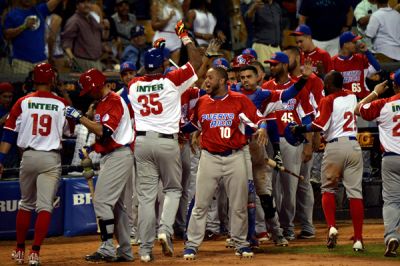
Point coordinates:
[[383, 28], [121, 24], [85, 138], [321, 60], [354, 66], [25, 27], [164, 16], [134, 52], [327, 20], [201, 21], [362, 14], [53, 48], [267, 23], [82, 38]]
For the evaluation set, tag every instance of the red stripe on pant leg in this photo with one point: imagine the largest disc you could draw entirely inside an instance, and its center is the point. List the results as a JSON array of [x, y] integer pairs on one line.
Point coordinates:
[[329, 207], [41, 227], [22, 225], [357, 216]]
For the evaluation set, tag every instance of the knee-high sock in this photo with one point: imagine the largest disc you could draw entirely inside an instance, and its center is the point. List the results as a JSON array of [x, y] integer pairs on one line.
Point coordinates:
[[329, 207], [22, 226], [357, 216], [251, 211], [41, 227]]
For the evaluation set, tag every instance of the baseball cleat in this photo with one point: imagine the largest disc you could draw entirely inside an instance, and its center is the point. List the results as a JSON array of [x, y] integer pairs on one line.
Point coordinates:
[[147, 258], [358, 246], [281, 241], [305, 235], [263, 237], [135, 241], [18, 255], [166, 244], [189, 254], [244, 252], [34, 259], [229, 243], [332, 237], [290, 236], [98, 257], [391, 247]]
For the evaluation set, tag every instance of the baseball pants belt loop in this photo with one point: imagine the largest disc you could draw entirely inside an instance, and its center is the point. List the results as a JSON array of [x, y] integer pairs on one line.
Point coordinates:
[[160, 135], [390, 154], [337, 139]]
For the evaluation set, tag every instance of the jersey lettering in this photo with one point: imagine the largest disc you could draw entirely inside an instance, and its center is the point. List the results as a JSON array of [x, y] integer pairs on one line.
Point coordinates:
[[150, 88], [396, 129], [349, 117], [41, 124], [150, 104]]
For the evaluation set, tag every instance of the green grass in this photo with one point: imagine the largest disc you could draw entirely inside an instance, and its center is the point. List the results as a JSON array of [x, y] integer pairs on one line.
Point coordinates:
[[371, 251]]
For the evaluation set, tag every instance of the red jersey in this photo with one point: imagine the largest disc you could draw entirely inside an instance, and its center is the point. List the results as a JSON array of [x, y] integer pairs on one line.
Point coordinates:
[[315, 86], [387, 115], [336, 115], [354, 70], [112, 112], [318, 55], [189, 99], [222, 121], [294, 110]]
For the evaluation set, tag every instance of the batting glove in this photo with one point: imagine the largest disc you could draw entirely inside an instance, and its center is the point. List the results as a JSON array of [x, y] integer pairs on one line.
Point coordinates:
[[182, 32], [84, 152], [71, 112], [278, 159], [159, 43]]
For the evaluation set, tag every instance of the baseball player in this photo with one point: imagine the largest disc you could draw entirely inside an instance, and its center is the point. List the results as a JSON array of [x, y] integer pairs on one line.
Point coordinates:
[[321, 60], [342, 157], [297, 109], [155, 99], [387, 114], [304, 193], [113, 128], [221, 115], [355, 67], [36, 123]]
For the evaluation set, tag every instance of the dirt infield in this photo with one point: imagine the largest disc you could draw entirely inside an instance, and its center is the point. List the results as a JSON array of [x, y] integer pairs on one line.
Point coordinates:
[[70, 251]]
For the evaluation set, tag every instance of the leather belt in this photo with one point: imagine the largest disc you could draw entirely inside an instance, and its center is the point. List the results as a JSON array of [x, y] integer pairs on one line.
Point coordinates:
[[32, 149], [160, 135], [336, 139]]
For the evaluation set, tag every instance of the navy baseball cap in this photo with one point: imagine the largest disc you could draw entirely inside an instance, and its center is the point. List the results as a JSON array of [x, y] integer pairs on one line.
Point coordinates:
[[250, 51], [127, 66], [136, 31], [348, 36], [396, 77], [278, 57], [153, 58], [301, 30], [221, 62]]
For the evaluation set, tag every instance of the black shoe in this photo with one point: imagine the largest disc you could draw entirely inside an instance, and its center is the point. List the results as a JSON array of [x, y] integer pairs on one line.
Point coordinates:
[[97, 257], [391, 248], [305, 235], [123, 259], [210, 236]]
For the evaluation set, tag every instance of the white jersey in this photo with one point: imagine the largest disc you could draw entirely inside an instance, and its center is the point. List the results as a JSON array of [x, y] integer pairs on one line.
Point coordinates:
[[156, 99], [336, 115], [387, 114], [39, 120]]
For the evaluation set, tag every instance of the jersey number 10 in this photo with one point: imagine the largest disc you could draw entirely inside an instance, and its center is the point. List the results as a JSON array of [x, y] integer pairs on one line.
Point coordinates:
[[225, 132], [41, 124]]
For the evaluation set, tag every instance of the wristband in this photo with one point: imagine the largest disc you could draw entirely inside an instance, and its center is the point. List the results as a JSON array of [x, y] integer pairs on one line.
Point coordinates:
[[186, 40], [374, 92], [263, 125], [23, 27]]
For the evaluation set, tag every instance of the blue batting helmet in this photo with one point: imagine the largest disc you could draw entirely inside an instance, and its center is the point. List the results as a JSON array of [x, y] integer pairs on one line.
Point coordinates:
[[293, 139], [153, 58]]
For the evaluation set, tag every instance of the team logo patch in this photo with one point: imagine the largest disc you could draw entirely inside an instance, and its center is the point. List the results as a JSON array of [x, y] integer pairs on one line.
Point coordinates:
[[105, 118], [366, 106], [97, 117], [290, 105]]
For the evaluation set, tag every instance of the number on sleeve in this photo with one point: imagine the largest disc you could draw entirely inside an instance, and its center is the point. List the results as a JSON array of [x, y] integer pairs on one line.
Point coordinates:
[[41, 125], [349, 124], [396, 128], [150, 104]]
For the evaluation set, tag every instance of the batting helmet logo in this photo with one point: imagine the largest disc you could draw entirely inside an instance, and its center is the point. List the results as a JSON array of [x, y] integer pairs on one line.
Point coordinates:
[[242, 60], [293, 139], [43, 73], [92, 79]]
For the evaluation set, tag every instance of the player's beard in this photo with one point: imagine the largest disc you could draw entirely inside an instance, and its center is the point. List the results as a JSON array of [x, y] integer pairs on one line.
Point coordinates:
[[292, 66]]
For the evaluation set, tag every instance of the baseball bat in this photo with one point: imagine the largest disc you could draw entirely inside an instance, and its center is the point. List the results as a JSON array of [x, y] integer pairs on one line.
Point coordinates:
[[173, 63], [88, 173], [273, 164]]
